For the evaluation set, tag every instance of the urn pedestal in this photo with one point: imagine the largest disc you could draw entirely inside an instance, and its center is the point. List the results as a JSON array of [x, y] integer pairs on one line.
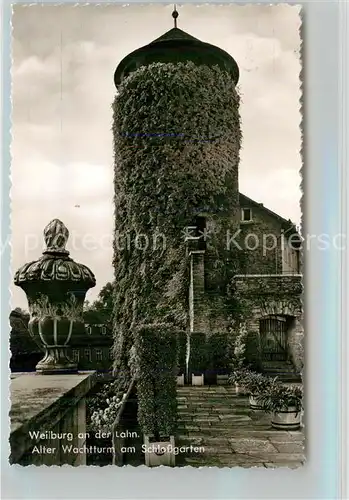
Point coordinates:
[[56, 287]]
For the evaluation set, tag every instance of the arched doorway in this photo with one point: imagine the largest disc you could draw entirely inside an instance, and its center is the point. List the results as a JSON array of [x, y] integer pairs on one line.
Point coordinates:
[[273, 338]]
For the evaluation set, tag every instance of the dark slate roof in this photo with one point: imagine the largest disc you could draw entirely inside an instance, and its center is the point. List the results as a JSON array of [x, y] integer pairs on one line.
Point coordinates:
[[176, 46], [174, 34]]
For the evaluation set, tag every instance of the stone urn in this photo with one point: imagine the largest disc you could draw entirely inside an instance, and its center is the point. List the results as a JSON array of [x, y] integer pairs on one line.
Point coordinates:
[[56, 287]]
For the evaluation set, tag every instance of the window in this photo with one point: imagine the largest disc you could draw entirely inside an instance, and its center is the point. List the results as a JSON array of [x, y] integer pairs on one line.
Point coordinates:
[[88, 354], [76, 355], [103, 330], [246, 214], [99, 355], [89, 330]]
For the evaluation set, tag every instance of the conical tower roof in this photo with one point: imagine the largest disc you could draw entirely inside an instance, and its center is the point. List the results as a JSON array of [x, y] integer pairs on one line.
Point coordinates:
[[176, 46], [174, 34]]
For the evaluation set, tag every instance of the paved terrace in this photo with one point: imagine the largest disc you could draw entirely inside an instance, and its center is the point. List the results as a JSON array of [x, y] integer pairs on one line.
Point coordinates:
[[231, 433]]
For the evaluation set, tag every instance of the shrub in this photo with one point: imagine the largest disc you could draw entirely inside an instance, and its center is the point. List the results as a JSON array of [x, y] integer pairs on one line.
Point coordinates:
[[239, 376], [239, 355], [198, 352], [217, 351], [156, 346], [257, 383], [252, 351], [182, 339]]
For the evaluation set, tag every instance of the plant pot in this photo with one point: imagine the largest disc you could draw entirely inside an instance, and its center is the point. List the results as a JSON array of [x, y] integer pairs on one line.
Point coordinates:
[[197, 379], [288, 419], [180, 379], [222, 379], [253, 403], [159, 452], [240, 390]]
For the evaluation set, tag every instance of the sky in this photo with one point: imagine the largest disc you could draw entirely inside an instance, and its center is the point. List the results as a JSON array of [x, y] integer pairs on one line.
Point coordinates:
[[63, 62]]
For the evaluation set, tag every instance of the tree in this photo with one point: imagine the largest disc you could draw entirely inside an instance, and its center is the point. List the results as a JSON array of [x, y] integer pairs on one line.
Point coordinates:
[[20, 339], [100, 311]]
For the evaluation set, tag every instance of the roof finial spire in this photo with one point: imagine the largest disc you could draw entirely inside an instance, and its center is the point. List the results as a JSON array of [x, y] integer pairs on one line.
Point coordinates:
[[175, 15]]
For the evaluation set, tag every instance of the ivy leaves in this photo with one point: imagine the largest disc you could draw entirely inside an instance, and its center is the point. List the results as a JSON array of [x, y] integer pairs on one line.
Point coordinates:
[[177, 138]]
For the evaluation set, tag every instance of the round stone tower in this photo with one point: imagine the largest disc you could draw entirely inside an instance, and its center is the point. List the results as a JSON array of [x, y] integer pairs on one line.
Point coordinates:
[[176, 129]]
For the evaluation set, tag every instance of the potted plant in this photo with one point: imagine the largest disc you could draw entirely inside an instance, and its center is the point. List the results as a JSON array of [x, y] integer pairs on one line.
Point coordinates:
[[257, 384], [285, 405], [239, 378], [198, 358]]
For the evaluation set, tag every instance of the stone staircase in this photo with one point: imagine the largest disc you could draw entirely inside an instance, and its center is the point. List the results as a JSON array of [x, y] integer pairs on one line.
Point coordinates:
[[217, 428], [283, 370]]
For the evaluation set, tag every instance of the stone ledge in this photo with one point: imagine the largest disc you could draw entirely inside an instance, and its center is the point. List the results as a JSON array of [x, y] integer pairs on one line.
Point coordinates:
[[39, 402]]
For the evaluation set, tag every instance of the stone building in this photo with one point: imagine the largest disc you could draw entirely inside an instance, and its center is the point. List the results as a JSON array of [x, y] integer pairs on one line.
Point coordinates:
[[267, 286], [90, 349]]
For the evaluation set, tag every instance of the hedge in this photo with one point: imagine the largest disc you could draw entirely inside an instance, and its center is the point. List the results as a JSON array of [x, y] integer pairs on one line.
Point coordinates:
[[156, 346], [198, 360], [182, 340], [218, 353], [252, 353]]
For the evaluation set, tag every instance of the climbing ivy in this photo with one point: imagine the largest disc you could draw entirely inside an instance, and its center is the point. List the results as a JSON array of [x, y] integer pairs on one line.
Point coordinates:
[[176, 130]]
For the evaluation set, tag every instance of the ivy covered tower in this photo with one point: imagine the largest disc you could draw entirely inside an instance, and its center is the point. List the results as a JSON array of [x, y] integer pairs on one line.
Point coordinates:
[[177, 137]]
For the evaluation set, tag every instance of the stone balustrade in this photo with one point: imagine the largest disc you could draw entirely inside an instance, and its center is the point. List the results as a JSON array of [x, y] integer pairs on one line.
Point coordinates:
[[48, 418]]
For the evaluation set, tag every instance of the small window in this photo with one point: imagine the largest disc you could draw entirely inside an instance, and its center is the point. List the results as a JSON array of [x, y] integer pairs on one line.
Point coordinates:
[[76, 355], [89, 330], [103, 330], [99, 355], [88, 354], [246, 214]]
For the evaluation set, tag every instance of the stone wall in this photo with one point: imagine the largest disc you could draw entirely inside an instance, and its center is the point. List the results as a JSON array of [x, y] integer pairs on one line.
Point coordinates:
[[268, 241], [261, 241], [296, 343], [48, 418]]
